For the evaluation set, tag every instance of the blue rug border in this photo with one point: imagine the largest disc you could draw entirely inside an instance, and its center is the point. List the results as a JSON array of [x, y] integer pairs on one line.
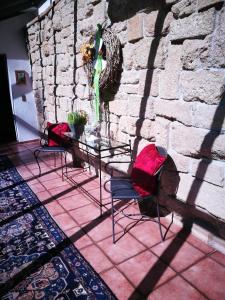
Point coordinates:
[[22, 181]]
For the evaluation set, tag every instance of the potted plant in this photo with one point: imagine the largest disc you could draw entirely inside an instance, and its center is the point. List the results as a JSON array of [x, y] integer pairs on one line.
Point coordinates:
[[77, 120]]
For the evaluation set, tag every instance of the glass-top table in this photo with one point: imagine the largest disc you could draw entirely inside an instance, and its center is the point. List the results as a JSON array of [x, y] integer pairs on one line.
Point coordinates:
[[99, 148], [98, 144]]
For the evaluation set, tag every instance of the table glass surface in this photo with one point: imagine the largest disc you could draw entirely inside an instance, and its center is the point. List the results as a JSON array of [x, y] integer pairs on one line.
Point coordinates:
[[100, 144]]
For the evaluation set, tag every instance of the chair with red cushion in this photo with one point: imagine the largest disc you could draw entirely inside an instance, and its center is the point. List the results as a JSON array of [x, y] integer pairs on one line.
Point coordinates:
[[53, 141], [141, 186]]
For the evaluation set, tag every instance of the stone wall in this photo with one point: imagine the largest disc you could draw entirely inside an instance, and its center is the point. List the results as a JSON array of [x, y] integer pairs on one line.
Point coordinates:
[[171, 89]]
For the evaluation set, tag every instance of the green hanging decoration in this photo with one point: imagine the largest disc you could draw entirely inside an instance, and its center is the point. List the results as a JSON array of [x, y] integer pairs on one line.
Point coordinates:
[[97, 73], [96, 87], [102, 63]]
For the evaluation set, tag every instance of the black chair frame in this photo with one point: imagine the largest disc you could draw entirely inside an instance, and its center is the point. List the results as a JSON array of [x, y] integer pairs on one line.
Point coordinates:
[[44, 148], [128, 200]]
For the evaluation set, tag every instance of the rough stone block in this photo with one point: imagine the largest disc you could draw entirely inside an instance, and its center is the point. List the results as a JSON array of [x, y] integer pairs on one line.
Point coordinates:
[[149, 83], [196, 142], [195, 53], [128, 125], [150, 22], [119, 26], [179, 163], [128, 55], [135, 28], [99, 15], [174, 110], [208, 170], [129, 88], [166, 25], [173, 60], [145, 56], [130, 77], [184, 8], [79, 61], [161, 131], [57, 21], [168, 84], [145, 107], [79, 91], [118, 107], [207, 3], [147, 130], [202, 194], [113, 118], [196, 25], [152, 28], [217, 50], [65, 91], [65, 78], [63, 62], [65, 32], [81, 76], [202, 85], [208, 116]]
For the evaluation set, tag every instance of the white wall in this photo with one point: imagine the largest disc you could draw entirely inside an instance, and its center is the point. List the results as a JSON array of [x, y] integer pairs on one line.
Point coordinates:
[[12, 43]]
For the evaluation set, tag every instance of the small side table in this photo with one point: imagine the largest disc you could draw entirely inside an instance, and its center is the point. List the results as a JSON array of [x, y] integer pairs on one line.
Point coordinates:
[[101, 149]]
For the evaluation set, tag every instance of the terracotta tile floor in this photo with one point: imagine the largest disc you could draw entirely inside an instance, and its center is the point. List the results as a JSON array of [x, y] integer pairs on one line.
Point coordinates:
[[139, 265]]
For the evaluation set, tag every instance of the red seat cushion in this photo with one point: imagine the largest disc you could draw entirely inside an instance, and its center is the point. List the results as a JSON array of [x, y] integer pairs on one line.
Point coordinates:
[[146, 165], [56, 134]]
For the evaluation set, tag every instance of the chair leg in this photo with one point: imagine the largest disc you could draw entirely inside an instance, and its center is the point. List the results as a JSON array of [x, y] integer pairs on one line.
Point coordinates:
[[61, 158], [54, 160], [65, 163], [36, 153], [160, 226], [113, 221]]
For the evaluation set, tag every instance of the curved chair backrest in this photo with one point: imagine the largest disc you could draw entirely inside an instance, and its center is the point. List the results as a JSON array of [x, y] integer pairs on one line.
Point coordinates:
[[162, 151]]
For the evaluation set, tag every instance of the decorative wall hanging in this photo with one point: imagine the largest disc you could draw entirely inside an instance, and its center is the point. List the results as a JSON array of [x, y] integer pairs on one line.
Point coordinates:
[[20, 77], [101, 56]]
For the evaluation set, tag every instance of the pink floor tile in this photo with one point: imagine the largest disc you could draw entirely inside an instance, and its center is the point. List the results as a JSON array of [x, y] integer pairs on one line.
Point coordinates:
[[148, 233], [54, 208], [146, 271], [208, 276], [219, 257], [37, 187], [102, 230], [85, 214], [60, 190], [73, 202], [177, 253], [119, 285], [78, 237], [97, 258], [176, 289], [48, 176], [69, 192], [56, 182], [195, 242], [123, 249], [44, 196], [64, 221]]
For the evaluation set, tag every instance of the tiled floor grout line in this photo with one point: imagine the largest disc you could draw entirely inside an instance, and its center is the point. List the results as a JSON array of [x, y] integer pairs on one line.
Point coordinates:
[[116, 265], [210, 255]]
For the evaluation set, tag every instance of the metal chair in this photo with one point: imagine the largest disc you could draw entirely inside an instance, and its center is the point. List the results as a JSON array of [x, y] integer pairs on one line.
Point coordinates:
[[52, 141], [141, 186]]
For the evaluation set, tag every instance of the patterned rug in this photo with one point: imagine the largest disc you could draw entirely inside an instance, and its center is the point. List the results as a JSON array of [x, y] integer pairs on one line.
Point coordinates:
[[37, 260]]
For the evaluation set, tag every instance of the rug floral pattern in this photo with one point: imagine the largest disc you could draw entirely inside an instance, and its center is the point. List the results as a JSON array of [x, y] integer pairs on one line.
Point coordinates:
[[37, 261]]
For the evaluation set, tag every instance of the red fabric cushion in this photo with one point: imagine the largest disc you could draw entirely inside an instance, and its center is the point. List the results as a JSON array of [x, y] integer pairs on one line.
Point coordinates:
[[146, 165], [56, 134]]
